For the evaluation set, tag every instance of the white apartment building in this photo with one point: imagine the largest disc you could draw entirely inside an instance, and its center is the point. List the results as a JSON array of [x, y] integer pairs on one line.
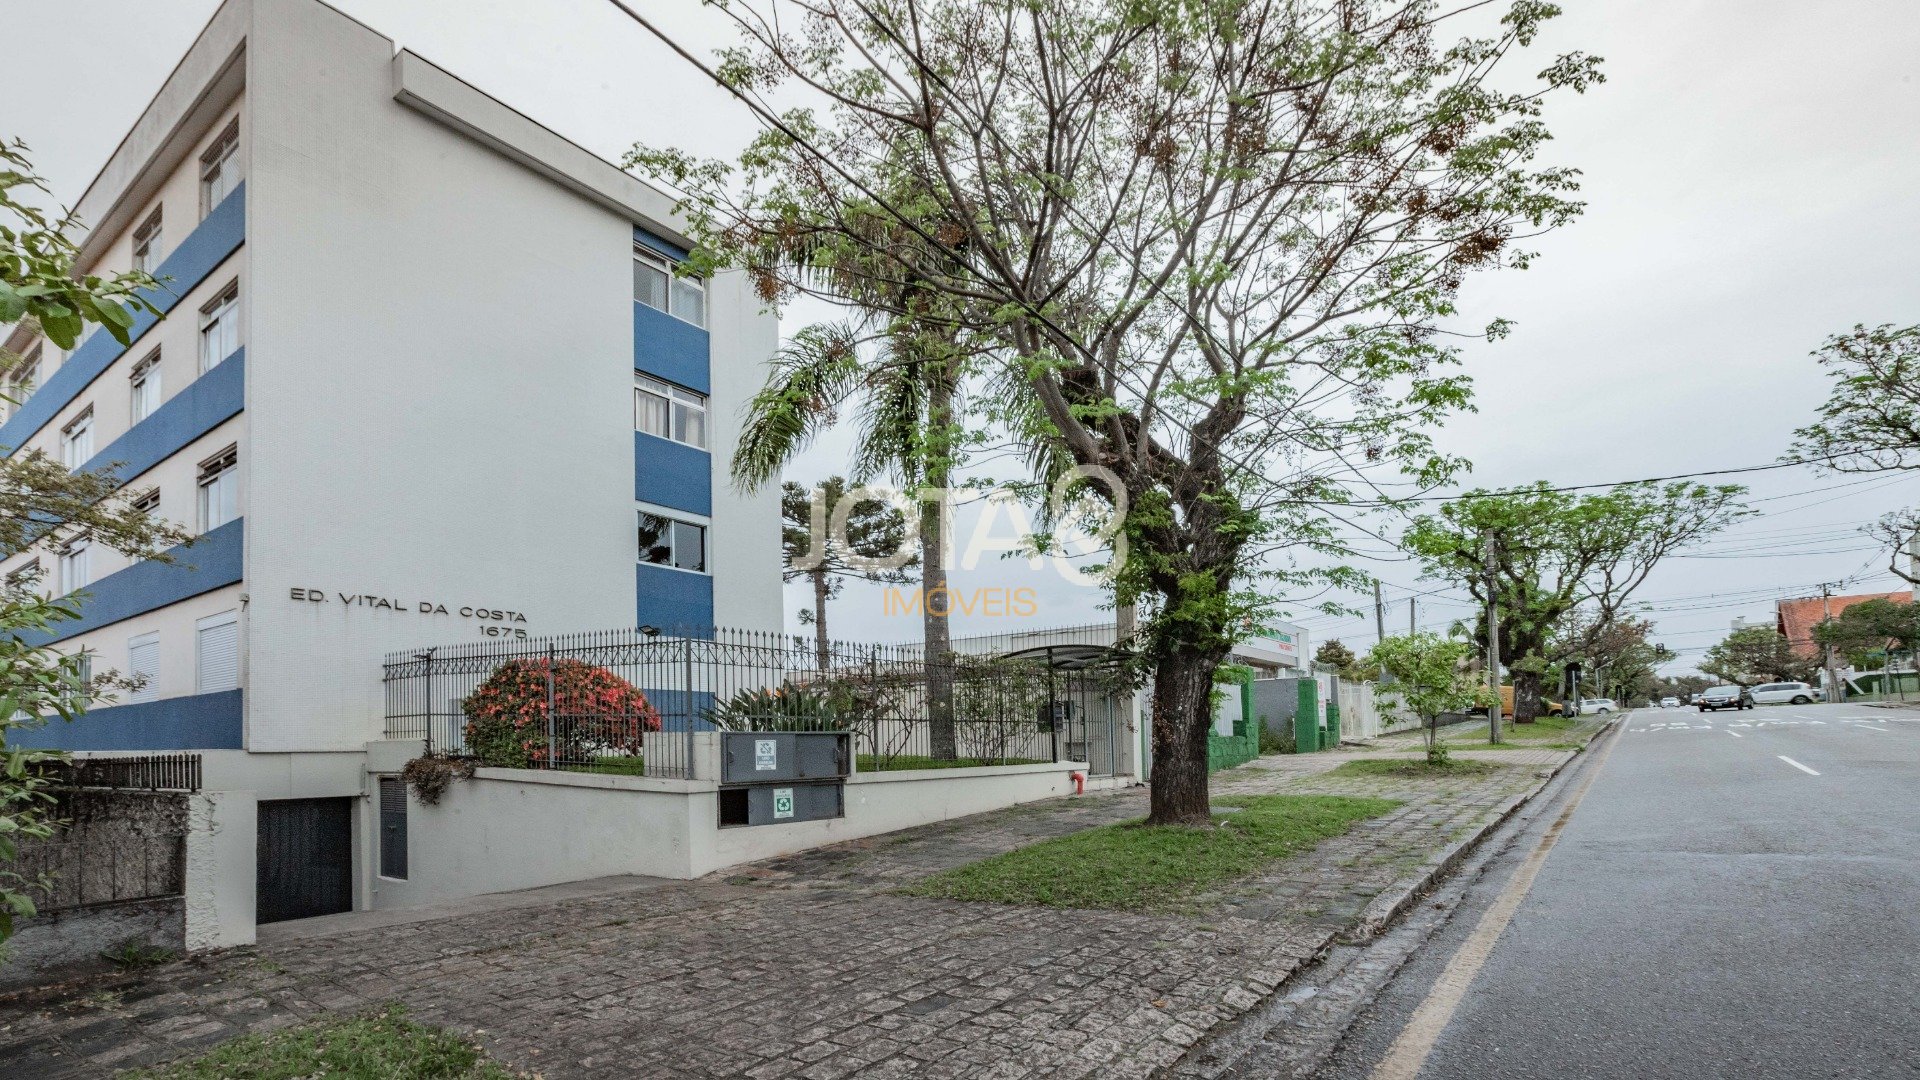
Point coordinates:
[[425, 374]]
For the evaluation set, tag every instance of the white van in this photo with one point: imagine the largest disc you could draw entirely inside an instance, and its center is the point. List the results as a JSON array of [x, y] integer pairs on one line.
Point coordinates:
[[1783, 693]]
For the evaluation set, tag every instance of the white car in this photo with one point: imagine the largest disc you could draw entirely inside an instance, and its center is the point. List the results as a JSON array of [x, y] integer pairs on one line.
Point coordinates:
[[1669, 702], [1592, 705], [1784, 693]]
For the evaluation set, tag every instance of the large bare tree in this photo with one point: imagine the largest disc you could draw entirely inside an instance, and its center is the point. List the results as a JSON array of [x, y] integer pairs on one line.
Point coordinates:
[[1215, 241]]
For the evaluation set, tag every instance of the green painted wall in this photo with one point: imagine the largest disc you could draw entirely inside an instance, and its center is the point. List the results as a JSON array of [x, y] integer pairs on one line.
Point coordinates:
[[1226, 751]]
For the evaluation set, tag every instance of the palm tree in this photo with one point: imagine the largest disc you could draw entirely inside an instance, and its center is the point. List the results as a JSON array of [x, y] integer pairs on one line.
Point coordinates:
[[874, 531], [908, 393]]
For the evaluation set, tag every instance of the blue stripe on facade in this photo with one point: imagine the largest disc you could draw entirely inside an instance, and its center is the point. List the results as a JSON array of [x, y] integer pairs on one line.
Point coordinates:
[[195, 722], [665, 247], [676, 601], [206, 403], [672, 474], [213, 560], [672, 349], [204, 249]]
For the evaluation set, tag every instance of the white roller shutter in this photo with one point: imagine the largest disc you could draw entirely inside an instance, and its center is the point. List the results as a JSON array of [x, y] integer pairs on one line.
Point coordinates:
[[218, 653]]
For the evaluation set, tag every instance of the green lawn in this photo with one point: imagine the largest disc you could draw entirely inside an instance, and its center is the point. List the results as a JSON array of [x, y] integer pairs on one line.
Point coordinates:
[[902, 762], [1416, 767], [618, 764], [381, 1046], [1130, 867]]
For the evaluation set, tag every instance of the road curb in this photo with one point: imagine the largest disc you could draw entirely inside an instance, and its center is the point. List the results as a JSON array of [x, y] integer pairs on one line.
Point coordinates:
[[1390, 905]]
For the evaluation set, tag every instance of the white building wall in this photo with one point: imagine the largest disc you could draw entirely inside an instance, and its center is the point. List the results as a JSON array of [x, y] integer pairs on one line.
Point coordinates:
[[746, 529], [444, 346]]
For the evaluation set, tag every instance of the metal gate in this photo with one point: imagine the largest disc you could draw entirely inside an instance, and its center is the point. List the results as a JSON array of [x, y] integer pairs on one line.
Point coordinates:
[[305, 859], [1088, 731]]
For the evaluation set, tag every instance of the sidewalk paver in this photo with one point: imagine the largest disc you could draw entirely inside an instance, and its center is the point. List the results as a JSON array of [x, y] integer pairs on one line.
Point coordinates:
[[812, 965]]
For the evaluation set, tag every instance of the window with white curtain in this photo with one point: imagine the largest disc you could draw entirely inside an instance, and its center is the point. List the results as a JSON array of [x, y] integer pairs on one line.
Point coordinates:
[[220, 489], [143, 666], [655, 284], [76, 567], [220, 327], [665, 410], [220, 168], [217, 653], [76, 440], [147, 252], [144, 385]]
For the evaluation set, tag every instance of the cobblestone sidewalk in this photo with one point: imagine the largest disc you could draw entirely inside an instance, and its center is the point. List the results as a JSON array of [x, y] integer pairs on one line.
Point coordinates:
[[810, 966]]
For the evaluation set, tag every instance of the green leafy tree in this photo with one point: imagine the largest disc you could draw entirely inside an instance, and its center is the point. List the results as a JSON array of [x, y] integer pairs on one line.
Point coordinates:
[[874, 532], [1433, 676], [1206, 249], [42, 502], [1870, 422], [1865, 631], [1551, 552], [1755, 655], [1337, 656]]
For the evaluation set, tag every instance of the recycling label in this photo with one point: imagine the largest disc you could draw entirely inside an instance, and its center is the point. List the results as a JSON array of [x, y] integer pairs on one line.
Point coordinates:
[[766, 755], [782, 803]]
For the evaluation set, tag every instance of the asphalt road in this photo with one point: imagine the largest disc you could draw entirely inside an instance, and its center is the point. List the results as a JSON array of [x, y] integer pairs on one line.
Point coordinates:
[[1711, 908]]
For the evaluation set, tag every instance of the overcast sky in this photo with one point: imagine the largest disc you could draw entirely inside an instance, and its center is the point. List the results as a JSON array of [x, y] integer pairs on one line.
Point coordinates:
[[1751, 171]]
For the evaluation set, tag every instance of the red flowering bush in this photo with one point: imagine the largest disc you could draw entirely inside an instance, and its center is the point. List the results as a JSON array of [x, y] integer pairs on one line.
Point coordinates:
[[595, 711]]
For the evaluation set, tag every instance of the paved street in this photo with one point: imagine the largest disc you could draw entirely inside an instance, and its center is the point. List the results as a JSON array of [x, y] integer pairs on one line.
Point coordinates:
[[1737, 895], [812, 965]]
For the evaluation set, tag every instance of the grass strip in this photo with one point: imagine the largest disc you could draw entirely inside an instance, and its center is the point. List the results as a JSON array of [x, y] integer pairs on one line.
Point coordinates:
[[378, 1046], [1130, 867], [1412, 767]]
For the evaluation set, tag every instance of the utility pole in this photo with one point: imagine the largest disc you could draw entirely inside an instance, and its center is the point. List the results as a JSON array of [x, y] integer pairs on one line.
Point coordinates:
[[1379, 622], [1413, 618], [1493, 645], [1834, 693]]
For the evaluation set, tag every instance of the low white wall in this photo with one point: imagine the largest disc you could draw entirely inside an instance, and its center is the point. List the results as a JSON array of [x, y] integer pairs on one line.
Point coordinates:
[[882, 802], [508, 829]]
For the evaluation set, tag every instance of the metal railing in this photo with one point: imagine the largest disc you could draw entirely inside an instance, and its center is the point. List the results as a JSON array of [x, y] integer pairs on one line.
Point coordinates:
[[630, 701], [146, 772]]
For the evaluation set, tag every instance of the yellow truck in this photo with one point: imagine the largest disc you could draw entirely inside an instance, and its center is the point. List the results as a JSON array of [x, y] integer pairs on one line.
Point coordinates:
[[1553, 708]]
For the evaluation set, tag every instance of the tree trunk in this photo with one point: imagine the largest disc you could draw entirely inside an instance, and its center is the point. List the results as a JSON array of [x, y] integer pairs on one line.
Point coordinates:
[[936, 601], [821, 587], [1182, 717], [1526, 696]]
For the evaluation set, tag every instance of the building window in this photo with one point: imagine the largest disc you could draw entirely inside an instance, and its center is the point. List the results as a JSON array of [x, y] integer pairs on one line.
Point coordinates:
[[76, 567], [217, 653], [393, 828], [144, 383], [220, 168], [146, 244], [656, 285], [76, 440], [25, 578], [143, 666], [220, 327], [147, 503], [667, 411], [219, 489], [666, 541]]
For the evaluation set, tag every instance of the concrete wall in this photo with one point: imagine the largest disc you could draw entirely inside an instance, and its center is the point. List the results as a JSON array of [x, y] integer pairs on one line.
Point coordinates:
[[515, 829]]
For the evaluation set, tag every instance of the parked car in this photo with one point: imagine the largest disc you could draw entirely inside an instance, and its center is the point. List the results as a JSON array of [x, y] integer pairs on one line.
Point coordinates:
[[1593, 705], [1724, 697], [1777, 693], [1669, 702], [1550, 706]]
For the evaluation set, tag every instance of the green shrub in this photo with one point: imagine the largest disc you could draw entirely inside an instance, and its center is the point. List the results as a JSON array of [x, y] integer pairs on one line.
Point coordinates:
[[1276, 742], [785, 708]]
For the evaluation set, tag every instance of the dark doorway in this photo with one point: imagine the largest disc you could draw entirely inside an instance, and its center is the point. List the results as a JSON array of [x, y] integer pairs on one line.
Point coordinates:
[[305, 858]]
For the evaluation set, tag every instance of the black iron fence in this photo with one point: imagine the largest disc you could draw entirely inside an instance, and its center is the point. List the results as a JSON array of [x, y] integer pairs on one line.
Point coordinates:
[[630, 701], [145, 772]]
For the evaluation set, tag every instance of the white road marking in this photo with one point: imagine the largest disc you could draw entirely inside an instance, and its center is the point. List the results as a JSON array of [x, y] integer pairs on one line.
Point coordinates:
[[1409, 1052], [1735, 734], [1797, 765], [1865, 726]]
